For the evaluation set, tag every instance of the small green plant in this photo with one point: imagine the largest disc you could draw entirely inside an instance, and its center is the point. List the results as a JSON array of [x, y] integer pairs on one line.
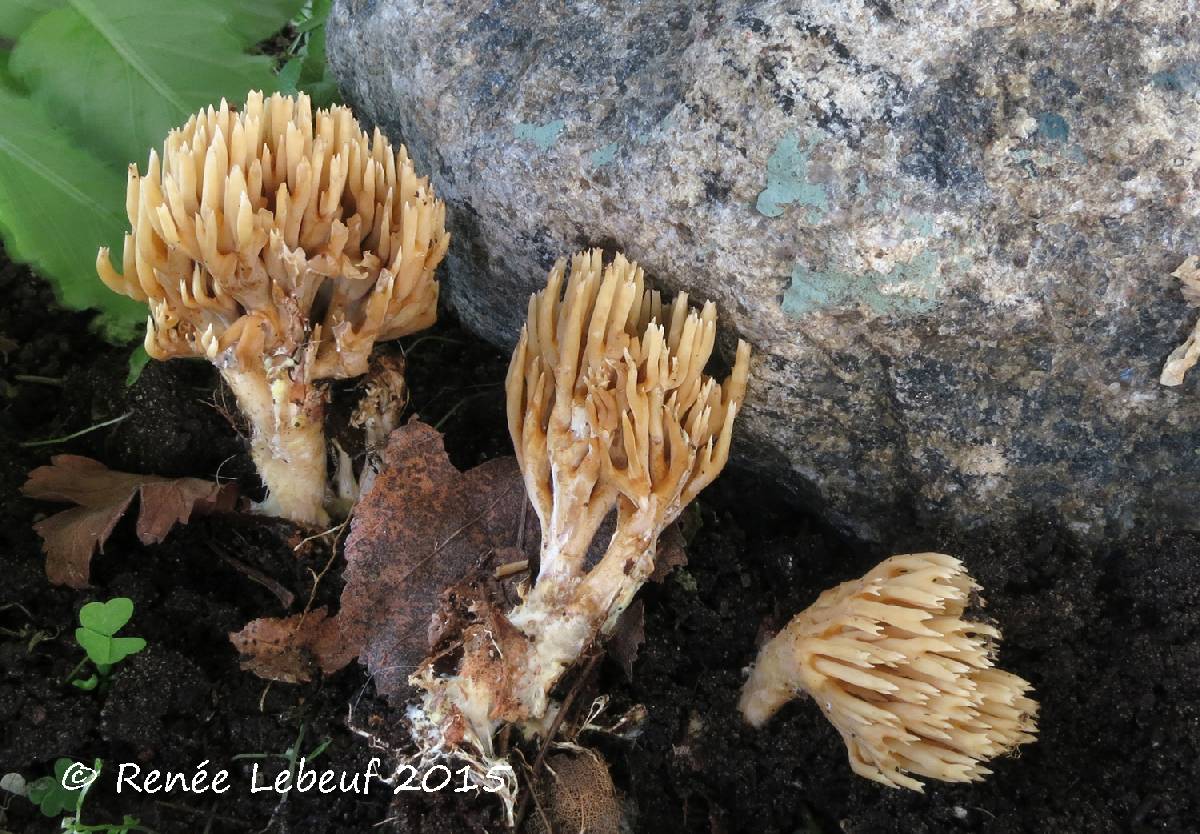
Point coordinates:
[[99, 623], [49, 794], [67, 789], [27, 634], [292, 755], [137, 364], [305, 68]]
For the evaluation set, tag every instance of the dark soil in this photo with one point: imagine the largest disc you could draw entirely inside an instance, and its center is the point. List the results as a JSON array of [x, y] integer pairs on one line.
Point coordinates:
[[1110, 638]]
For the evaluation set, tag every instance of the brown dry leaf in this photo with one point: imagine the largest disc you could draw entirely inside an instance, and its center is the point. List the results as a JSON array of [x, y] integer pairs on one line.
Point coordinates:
[[419, 528], [418, 531], [672, 553], [628, 636], [70, 538], [285, 649]]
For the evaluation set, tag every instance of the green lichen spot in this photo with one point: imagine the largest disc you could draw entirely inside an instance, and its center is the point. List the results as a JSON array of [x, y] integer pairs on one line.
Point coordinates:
[[1181, 78], [887, 198], [602, 156], [813, 290], [922, 224], [1075, 153], [787, 181], [1053, 127], [541, 135]]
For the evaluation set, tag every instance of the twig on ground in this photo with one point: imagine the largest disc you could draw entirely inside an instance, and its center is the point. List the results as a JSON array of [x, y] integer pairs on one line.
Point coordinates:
[[285, 597], [52, 440], [36, 379]]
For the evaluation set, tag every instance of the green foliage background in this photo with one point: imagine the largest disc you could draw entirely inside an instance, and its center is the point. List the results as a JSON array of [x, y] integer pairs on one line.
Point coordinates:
[[89, 86]]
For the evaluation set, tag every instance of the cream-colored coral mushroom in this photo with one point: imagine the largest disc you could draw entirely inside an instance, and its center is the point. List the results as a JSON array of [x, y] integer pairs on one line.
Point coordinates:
[[1184, 357], [610, 410], [281, 244], [906, 680]]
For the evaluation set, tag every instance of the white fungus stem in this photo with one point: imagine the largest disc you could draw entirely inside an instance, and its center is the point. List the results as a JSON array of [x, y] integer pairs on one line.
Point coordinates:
[[287, 443]]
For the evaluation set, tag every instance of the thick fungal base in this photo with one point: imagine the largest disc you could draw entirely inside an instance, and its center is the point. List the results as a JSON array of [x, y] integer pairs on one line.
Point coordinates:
[[287, 443]]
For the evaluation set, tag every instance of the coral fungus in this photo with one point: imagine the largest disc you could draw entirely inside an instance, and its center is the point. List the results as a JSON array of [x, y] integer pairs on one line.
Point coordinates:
[[281, 245], [906, 680], [610, 411]]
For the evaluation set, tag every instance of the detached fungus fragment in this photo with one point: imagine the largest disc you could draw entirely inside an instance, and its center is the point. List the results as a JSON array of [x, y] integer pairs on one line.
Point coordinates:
[[908, 683], [1184, 357], [280, 245], [609, 410]]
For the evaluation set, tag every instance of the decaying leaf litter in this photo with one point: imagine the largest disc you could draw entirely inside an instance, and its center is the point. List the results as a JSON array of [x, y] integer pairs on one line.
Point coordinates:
[[425, 543], [71, 537]]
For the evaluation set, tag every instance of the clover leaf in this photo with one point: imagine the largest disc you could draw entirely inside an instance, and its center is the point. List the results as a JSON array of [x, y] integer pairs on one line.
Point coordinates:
[[99, 622], [49, 794]]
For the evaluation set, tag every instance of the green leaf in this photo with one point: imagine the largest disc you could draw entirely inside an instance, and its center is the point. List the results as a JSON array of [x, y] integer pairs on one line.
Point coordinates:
[[42, 793], [106, 651], [121, 73], [99, 621], [49, 794], [57, 204], [289, 75], [123, 647], [321, 10], [38, 789], [16, 15], [137, 363], [314, 75], [7, 82], [98, 646], [315, 78], [106, 618], [86, 684], [309, 24], [315, 68], [253, 22], [106, 80]]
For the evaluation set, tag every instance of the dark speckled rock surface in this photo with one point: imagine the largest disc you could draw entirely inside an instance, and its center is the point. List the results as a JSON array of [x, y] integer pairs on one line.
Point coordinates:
[[947, 228]]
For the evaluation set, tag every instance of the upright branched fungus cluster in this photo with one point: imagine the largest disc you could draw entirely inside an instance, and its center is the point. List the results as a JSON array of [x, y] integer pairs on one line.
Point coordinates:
[[281, 245], [610, 410]]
